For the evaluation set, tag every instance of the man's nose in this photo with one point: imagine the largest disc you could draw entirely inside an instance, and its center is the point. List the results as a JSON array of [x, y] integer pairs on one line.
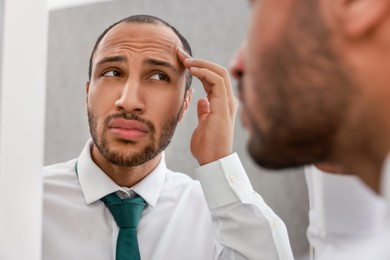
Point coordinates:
[[131, 98]]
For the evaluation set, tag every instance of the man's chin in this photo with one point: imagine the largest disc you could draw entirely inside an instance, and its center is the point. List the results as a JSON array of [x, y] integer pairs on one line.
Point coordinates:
[[270, 157], [269, 163], [129, 159]]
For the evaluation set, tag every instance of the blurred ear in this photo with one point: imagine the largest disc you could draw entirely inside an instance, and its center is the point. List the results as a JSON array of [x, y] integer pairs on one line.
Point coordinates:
[[357, 18], [186, 102], [87, 89]]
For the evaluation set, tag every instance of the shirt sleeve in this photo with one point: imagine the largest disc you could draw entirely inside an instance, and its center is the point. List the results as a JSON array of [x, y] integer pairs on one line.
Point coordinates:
[[342, 212], [245, 226]]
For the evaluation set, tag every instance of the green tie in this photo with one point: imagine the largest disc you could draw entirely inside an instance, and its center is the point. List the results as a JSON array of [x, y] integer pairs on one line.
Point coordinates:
[[126, 214]]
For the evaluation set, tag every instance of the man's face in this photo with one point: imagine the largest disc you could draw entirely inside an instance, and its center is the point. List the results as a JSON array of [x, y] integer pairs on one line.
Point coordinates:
[[294, 89], [136, 93]]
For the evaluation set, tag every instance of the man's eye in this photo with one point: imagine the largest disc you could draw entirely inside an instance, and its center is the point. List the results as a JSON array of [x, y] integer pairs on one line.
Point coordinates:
[[111, 73], [160, 76]]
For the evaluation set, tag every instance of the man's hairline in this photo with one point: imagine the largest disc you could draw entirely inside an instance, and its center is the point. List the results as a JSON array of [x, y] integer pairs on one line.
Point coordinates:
[[156, 22]]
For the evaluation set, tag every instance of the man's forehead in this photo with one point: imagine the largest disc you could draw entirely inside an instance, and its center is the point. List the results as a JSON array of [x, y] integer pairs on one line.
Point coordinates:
[[141, 35]]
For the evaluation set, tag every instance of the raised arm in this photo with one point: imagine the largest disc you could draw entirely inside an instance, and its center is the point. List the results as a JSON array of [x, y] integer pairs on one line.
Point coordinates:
[[245, 227]]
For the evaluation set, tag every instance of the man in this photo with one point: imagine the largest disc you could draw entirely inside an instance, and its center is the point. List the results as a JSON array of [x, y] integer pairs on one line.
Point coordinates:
[[137, 92], [314, 85]]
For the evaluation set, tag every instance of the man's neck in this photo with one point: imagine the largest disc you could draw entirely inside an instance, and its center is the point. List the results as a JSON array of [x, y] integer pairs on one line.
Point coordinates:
[[366, 164], [124, 176], [363, 148]]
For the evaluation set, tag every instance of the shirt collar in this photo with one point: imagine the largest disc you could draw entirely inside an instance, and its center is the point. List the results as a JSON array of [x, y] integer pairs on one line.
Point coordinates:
[[95, 184]]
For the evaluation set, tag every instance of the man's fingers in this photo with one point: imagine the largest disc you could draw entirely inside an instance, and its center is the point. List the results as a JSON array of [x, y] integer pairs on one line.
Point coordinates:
[[203, 109], [207, 65], [182, 55], [213, 67], [215, 80], [213, 83], [194, 64]]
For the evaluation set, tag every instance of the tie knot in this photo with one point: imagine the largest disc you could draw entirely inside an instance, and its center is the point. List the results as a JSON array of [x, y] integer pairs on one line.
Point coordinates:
[[125, 212]]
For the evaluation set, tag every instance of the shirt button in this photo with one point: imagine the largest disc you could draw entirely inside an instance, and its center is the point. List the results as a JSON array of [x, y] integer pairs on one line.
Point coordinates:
[[233, 178], [275, 224]]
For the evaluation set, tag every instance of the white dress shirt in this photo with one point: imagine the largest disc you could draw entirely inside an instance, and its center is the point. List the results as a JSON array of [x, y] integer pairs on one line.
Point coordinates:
[[346, 218], [177, 223]]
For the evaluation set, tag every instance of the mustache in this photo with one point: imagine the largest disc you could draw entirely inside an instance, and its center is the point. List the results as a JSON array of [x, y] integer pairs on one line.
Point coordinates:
[[130, 116]]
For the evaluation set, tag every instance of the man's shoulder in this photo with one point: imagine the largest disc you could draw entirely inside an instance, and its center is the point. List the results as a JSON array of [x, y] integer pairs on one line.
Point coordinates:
[[60, 184], [181, 187], [179, 179], [59, 173], [372, 247], [179, 182], [60, 168]]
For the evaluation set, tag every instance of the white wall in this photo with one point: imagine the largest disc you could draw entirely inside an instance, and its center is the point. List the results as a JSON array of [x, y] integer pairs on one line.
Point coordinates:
[[59, 4], [22, 102]]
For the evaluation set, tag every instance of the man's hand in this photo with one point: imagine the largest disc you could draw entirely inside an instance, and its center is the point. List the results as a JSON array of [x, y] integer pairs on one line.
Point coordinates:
[[213, 137]]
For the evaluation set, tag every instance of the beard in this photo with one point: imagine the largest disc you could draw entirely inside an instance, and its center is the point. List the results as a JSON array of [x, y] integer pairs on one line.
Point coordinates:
[[131, 159], [303, 92]]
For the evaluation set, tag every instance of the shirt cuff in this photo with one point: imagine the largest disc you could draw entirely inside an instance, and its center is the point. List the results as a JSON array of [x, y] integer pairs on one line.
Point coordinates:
[[224, 181]]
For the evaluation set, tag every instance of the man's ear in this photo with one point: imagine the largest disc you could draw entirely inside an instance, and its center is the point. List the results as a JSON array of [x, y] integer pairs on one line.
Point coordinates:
[[356, 18], [87, 89], [186, 102]]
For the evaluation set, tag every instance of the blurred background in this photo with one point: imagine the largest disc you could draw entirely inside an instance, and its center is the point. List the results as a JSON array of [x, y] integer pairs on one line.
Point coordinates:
[[214, 29]]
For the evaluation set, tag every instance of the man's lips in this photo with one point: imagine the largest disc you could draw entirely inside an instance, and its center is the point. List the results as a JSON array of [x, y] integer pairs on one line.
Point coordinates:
[[127, 129]]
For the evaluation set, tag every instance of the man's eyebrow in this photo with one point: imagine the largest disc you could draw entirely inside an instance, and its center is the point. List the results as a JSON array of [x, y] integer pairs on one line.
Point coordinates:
[[161, 63], [117, 58]]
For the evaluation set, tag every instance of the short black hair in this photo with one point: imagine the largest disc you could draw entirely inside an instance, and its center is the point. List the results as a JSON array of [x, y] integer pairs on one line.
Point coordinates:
[[144, 19]]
